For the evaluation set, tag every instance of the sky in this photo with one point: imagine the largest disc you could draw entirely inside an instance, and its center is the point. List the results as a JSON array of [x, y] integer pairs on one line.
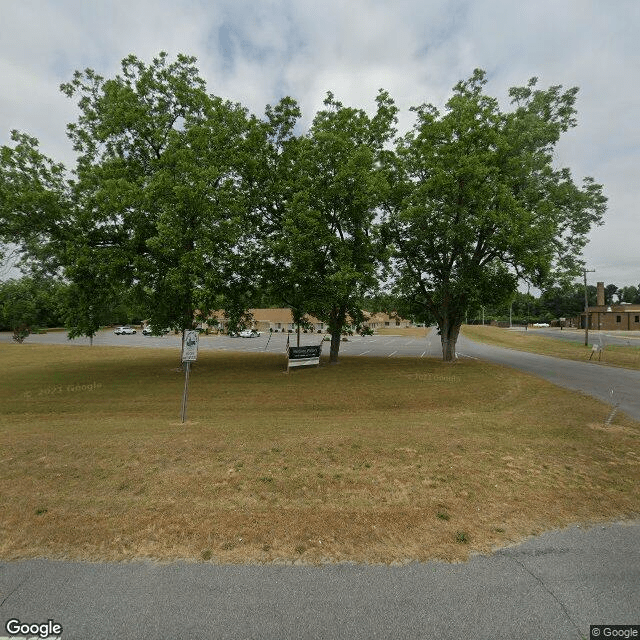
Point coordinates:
[[256, 52]]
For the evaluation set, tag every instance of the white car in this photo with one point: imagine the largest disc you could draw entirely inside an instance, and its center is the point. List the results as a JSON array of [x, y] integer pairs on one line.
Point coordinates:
[[148, 331], [249, 333], [126, 330], [541, 324]]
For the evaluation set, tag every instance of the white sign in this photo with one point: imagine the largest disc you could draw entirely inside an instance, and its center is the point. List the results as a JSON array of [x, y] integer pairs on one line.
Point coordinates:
[[190, 347]]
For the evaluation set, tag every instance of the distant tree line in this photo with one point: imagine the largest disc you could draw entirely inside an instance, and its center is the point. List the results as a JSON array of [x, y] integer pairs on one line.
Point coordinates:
[[182, 201], [34, 303]]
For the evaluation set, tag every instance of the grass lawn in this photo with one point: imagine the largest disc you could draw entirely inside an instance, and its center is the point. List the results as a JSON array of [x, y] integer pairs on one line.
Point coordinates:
[[627, 357], [373, 460]]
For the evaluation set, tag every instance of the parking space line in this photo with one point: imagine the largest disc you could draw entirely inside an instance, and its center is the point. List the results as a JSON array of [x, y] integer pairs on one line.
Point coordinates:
[[394, 352], [361, 354]]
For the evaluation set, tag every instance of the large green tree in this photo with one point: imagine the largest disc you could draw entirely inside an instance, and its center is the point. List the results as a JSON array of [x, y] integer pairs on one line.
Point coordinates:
[[326, 246], [160, 186], [477, 202], [271, 183]]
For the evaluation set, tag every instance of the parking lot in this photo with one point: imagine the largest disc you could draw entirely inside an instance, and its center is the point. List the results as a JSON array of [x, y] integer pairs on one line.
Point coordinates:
[[383, 346]]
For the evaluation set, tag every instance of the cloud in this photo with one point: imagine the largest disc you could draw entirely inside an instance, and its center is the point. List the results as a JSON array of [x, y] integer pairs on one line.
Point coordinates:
[[257, 52]]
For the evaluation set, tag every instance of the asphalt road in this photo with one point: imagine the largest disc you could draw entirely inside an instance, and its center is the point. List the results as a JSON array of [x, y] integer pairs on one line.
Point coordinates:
[[551, 586], [613, 385]]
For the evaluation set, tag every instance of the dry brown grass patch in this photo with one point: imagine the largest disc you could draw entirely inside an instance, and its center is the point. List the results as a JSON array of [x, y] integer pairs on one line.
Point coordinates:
[[374, 460]]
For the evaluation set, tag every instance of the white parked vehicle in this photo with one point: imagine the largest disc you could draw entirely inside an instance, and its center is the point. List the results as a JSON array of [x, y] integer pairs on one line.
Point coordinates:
[[125, 330], [541, 324], [148, 331], [249, 333]]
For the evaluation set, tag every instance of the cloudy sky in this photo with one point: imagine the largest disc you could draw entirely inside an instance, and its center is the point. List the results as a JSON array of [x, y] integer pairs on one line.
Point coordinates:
[[257, 51]]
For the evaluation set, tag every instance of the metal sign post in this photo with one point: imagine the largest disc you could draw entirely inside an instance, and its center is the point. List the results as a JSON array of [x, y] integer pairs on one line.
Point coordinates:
[[185, 394], [189, 355]]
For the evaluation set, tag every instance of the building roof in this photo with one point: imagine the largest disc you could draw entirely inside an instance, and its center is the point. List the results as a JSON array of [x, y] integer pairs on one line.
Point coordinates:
[[615, 308], [382, 317], [284, 316], [275, 316]]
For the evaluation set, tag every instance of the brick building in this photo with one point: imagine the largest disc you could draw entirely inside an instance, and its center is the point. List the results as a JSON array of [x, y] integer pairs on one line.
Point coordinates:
[[613, 317], [282, 320]]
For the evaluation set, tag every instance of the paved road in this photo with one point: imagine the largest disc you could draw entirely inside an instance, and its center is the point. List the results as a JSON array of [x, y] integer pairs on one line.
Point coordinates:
[[550, 587], [613, 385]]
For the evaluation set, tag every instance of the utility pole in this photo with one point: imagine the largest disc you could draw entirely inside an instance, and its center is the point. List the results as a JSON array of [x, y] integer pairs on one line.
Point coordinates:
[[586, 307]]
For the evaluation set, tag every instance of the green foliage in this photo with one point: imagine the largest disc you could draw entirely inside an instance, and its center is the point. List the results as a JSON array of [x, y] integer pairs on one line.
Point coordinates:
[[160, 186], [35, 200], [476, 204], [629, 294], [325, 245], [566, 301], [609, 291], [181, 201], [31, 303]]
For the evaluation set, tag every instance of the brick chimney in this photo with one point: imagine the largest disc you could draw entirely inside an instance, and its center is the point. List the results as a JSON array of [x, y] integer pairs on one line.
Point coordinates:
[[600, 295]]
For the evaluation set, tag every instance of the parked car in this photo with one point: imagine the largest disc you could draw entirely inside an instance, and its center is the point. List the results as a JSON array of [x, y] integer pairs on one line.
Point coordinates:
[[125, 330], [149, 331], [249, 333], [540, 324]]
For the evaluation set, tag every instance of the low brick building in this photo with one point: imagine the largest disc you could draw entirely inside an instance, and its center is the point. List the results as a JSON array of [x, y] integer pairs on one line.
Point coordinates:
[[384, 320], [281, 320], [619, 317], [613, 317]]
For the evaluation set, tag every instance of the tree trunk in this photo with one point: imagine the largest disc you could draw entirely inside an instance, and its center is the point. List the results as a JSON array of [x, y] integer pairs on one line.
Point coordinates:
[[338, 316], [449, 331], [335, 347]]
